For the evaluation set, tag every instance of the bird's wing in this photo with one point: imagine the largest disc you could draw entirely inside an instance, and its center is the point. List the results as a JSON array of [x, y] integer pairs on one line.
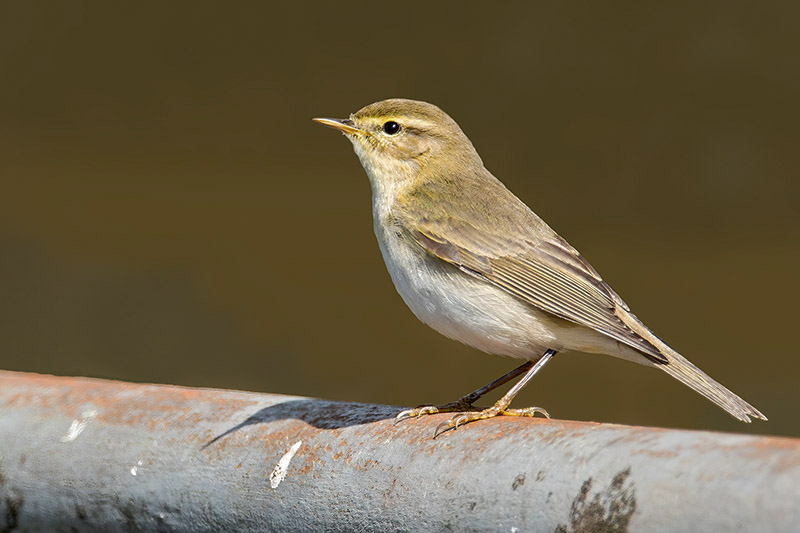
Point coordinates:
[[546, 272]]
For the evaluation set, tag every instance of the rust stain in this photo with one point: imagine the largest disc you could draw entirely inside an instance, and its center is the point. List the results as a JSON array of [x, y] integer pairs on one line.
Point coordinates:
[[236, 420], [227, 427], [123, 403], [780, 453]]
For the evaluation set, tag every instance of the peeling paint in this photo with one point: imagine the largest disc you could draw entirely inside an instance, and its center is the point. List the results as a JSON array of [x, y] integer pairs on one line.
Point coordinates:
[[13, 504], [279, 472], [78, 425], [609, 510], [210, 453]]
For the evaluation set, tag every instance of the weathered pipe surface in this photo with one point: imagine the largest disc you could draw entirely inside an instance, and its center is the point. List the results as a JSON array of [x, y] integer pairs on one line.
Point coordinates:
[[85, 454]]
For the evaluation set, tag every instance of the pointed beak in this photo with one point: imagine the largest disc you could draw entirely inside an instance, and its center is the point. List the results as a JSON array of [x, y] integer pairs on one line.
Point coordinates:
[[344, 125]]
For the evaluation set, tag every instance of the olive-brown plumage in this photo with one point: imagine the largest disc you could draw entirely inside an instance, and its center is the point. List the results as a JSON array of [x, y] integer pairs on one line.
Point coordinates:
[[475, 263]]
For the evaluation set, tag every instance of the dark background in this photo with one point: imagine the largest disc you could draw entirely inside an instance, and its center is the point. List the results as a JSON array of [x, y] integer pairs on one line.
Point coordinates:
[[169, 212]]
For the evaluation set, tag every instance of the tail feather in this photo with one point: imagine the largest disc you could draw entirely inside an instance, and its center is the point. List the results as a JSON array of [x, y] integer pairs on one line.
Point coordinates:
[[691, 376], [681, 369]]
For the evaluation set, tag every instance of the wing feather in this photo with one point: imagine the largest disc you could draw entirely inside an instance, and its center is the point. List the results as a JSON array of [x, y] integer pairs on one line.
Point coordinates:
[[548, 274]]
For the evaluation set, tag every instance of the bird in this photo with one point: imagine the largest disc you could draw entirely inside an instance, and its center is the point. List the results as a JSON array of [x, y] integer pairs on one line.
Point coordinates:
[[476, 264]]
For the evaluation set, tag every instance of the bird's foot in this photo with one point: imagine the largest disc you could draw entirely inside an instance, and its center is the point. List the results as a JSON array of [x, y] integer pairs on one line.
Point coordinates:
[[497, 409], [452, 407]]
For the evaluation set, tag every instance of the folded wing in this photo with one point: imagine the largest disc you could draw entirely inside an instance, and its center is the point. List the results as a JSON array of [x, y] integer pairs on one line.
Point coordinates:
[[545, 272]]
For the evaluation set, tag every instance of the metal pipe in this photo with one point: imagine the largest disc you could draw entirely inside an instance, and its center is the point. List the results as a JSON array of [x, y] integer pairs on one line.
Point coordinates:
[[88, 454]]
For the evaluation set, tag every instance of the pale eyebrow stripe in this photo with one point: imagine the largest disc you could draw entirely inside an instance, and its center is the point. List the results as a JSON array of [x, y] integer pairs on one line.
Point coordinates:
[[414, 123]]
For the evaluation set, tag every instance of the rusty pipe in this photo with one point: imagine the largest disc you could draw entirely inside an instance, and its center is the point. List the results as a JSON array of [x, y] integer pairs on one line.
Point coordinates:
[[89, 454]]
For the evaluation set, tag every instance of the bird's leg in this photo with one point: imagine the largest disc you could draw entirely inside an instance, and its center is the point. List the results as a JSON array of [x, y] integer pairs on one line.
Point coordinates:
[[465, 403], [501, 406]]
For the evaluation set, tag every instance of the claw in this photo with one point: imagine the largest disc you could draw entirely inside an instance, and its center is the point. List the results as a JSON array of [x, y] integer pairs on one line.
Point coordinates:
[[496, 410], [441, 428], [466, 413], [403, 415], [415, 413], [527, 411]]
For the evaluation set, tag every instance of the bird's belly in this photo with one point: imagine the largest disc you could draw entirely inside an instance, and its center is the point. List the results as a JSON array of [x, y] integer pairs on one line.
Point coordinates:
[[466, 308]]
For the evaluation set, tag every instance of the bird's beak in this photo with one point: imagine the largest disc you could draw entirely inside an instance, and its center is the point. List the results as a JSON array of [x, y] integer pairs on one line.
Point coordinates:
[[344, 125]]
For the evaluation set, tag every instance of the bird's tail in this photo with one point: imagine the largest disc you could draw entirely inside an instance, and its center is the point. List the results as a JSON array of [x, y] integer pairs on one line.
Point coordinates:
[[691, 376]]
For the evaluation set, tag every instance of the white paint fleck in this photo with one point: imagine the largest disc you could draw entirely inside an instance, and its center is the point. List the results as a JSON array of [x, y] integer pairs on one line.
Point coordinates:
[[78, 425], [514, 529], [135, 467], [279, 472]]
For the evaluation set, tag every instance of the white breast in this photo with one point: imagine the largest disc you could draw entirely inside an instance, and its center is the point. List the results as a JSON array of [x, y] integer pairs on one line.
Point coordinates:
[[461, 307], [465, 308]]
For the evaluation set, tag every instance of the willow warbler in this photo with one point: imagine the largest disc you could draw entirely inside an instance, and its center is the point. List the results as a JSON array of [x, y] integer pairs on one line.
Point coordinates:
[[477, 265]]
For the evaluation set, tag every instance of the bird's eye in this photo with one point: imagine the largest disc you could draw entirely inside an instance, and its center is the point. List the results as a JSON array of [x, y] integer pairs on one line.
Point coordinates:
[[391, 127]]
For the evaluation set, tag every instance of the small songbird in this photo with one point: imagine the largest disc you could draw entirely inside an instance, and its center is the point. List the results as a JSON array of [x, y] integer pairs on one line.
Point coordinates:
[[477, 265]]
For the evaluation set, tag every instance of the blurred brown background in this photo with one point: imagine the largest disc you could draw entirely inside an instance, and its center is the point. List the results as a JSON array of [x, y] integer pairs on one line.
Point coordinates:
[[169, 212]]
